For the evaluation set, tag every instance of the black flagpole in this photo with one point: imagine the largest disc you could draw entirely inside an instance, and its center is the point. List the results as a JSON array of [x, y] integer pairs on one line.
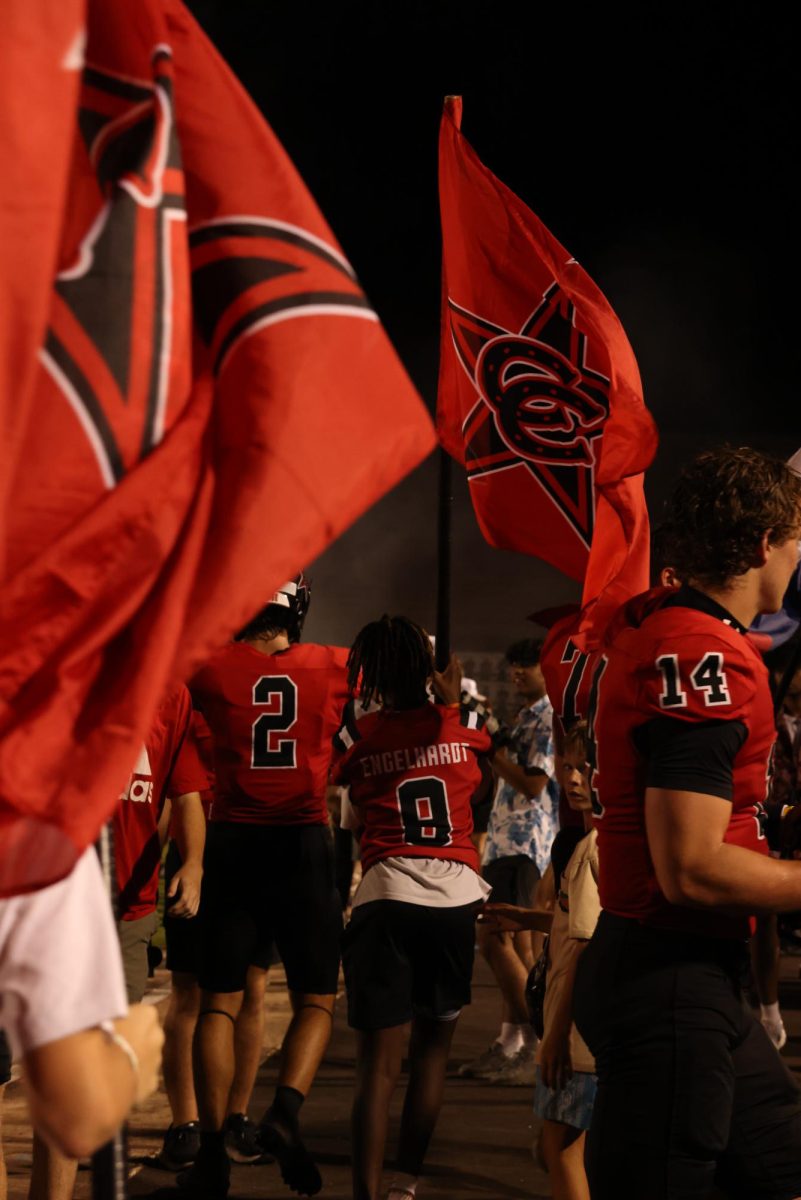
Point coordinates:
[[110, 1162], [443, 647]]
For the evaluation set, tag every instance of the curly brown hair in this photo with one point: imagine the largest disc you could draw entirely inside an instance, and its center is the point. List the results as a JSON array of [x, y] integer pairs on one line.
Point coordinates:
[[722, 505]]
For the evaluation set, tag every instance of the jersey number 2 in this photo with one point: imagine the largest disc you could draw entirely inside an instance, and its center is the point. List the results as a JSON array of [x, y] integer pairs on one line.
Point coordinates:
[[268, 750], [425, 813]]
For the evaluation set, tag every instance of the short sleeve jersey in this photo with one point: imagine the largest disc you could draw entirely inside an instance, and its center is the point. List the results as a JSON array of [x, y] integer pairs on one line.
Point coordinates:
[[680, 658], [272, 717], [168, 765], [411, 776]]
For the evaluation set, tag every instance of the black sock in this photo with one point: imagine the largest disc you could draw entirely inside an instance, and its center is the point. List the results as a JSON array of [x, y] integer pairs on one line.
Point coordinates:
[[212, 1141], [287, 1104]]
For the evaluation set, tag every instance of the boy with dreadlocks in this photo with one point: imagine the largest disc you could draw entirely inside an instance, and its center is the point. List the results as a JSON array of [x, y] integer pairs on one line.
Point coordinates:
[[412, 768]]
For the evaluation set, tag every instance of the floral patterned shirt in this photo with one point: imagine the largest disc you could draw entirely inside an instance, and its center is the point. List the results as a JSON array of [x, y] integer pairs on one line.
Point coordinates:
[[518, 825]]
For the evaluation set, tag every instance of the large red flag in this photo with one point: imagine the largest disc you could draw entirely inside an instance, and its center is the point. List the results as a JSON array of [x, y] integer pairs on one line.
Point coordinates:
[[216, 401], [40, 62], [539, 391]]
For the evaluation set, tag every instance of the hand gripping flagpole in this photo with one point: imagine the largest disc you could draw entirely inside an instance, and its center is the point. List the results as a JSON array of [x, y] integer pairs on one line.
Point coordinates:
[[443, 646], [110, 1162]]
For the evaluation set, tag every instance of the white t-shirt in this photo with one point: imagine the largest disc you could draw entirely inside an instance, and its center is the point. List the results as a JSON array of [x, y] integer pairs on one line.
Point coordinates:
[[60, 965], [433, 882]]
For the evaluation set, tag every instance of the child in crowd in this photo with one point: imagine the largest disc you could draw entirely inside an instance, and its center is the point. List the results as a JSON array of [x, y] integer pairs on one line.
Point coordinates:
[[565, 1078]]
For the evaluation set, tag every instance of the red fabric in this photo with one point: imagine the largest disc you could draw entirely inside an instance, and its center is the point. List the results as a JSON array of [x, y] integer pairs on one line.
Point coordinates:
[[39, 80], [539, 391], [631, 692], [168, 765], [431, 745], [172, 472], [272, 717]]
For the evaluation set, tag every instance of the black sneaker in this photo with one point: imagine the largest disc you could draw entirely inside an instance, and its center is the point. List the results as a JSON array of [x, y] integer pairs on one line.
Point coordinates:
[[242, 1140], [181, 1144]]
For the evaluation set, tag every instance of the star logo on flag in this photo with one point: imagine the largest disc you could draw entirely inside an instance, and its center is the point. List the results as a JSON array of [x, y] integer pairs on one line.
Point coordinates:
[[540, 406]]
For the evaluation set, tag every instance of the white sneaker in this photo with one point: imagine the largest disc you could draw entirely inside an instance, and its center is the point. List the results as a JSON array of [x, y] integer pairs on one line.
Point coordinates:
[[517, 1071], [486, 1064], [776, 1032]]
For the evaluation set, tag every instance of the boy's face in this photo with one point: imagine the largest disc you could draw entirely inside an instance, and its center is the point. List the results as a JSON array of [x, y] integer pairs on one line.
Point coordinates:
[[575, 782], [528, 681]]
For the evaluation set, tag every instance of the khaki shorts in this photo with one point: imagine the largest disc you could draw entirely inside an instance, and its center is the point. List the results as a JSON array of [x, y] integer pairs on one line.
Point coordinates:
[[134, 940]]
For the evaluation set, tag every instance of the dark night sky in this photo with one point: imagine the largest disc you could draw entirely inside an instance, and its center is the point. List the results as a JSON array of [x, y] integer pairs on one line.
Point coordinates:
[[657, 143]]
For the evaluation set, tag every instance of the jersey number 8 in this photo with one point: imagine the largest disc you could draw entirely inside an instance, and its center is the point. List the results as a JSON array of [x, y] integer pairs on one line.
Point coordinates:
[[425, 813]]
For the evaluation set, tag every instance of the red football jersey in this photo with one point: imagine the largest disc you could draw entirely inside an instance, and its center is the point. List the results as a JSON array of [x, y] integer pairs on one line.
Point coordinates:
[[168, 765], [691, 666], [272, 717], [411, 775], [568, 675]]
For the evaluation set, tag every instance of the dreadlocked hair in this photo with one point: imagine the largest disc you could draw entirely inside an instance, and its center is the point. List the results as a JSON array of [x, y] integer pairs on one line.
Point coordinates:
[[391, 662]]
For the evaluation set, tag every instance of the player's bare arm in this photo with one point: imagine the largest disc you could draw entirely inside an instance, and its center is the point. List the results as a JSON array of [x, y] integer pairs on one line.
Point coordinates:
[[190, 838], [511, 918], [696, 868], [81, 1087], [529, 783]]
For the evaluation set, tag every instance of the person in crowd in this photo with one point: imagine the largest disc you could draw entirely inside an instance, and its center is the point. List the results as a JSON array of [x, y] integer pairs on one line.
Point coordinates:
[[184, 948], [566, 1082], [690, 1089], [168, 771], [521, 829], [272, 705], [411, 769]]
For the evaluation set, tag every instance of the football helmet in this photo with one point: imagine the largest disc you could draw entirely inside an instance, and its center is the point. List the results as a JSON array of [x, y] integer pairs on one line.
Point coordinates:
[[286, 609]]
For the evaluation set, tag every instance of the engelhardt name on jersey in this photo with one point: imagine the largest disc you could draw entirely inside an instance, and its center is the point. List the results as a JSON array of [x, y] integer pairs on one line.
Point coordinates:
[[391, 761], [412, 775]]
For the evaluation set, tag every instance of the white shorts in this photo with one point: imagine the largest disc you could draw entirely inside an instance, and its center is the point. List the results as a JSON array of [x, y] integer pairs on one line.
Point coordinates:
[[60, 965]]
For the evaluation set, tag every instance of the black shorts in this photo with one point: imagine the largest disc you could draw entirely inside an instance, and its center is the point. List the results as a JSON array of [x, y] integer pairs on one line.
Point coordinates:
[[184, 935], [691, 1091], [265, 883], [513, 880], [406, 959], [5, 1059]]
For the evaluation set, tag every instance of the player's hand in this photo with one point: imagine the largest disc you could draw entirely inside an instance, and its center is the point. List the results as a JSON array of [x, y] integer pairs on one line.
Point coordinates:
[[141, 1029], [183, 895], [448, 683], [555, 1062], [505, 918]]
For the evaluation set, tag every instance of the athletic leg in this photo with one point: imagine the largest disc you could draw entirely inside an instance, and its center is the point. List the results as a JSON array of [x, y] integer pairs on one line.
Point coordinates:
[[304, 1044], [428, 1060], [248, 1037], [378, 1063], [562, 1149], [179, 1032]]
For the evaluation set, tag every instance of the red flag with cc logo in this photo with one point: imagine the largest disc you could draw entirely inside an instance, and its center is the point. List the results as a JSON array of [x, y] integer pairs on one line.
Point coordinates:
[[539, 391]]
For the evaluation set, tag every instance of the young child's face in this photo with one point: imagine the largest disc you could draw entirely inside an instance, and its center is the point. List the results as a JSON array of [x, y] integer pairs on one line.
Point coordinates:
[[575, 782]]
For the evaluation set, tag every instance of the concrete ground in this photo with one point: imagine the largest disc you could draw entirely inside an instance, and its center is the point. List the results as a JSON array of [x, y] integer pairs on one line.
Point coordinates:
[[482, 1148]]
